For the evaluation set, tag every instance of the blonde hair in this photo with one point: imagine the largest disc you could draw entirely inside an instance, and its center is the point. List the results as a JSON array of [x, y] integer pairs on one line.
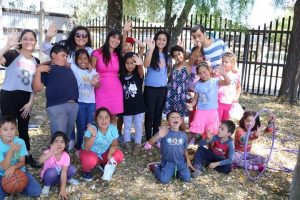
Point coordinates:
[[231, 56]]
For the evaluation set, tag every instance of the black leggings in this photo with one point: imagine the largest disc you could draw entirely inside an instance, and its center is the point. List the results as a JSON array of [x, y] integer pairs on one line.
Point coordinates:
[[155, 98], [11, 103]]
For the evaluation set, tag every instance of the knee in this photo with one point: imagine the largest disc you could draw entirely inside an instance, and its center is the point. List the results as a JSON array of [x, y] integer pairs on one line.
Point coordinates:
[[118, 156], [50, 174], [88, 160], [72, 170]]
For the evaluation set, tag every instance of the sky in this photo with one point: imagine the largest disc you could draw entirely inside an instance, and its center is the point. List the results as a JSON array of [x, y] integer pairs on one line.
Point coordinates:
[[263, 11]]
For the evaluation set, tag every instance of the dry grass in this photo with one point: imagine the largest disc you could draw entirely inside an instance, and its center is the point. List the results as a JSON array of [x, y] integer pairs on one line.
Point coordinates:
[[132, 180]]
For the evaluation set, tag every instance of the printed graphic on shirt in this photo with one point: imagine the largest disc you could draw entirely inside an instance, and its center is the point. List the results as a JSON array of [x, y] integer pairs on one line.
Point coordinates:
[[27, 69], [130, 89], [175, 141]]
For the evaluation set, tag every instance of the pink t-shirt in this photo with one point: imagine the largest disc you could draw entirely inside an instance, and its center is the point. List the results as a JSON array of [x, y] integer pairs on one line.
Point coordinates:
[[53, 163], [226, 94]]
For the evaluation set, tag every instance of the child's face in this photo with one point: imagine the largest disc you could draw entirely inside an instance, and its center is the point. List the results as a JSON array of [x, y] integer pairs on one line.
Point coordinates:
[[129, 65], [114, 41], [59, 143], [174, 120], [248, 121], [103, 120], [198, 37], [128, 47], [81, 38], [28, 41], [178, 56], [223, 131], [204, 73], [227, 64], [8, 131], [83, 61], [161, 41], [60, 58]]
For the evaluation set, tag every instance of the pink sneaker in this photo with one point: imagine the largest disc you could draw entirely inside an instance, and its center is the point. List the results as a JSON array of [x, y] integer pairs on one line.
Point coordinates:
[[147, 146], [158, 144]]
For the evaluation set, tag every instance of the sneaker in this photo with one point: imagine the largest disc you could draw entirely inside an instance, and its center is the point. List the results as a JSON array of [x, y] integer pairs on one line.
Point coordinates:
[[73, 181], [45, 190], [71, 145], [147, 146], [128, 147], [136, 149], [152, 166], [34, 164], [87, 176], [158, 144], [196, 173]]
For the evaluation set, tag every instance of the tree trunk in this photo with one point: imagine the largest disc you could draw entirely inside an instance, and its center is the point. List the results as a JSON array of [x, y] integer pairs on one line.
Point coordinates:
[[291, 72], [295, 185], [175, 31], [114, 14]]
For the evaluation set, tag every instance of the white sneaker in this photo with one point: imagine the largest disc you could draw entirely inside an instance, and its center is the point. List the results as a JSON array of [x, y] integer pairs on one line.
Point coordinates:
[[71, 145], [45, 190], [73, 181]]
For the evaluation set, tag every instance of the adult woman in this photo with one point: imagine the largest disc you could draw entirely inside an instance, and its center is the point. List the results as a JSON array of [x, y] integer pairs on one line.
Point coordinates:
[[16, 94], [109, 94]]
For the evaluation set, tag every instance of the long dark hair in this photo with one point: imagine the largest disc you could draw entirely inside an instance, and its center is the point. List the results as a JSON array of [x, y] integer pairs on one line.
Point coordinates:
[[70, 41], [247, 114], [123, 66], [98, 111], [105, 47], [23, 33], [155, 56]]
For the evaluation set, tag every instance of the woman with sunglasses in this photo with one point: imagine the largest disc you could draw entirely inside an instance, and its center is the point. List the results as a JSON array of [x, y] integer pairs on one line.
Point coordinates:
[[16, 93], [79, 38]]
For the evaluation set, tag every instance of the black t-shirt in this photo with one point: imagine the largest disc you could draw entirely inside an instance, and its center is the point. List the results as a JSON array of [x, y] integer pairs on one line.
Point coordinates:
[[133, 95]]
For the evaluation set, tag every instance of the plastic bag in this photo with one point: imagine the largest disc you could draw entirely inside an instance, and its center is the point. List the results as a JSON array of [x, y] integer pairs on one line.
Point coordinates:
[[109, 169], [236, 111]]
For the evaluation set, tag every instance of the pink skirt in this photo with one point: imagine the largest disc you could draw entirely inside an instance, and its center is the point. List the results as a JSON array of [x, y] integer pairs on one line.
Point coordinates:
[[205, 120]]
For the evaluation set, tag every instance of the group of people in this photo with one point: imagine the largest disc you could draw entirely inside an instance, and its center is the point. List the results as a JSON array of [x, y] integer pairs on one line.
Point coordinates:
[[93, 90]]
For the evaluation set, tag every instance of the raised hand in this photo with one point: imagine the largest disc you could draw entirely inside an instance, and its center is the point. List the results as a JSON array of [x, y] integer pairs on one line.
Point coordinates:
[[163, 131], [52, 30], [127, 26], [150, 43], [260, 130], [13, 40], [138, 60], [15, 147], [92, 129], [139, 43]]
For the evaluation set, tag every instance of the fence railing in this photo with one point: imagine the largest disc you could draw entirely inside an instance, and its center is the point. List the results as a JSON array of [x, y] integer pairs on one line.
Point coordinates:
[[261, 53]]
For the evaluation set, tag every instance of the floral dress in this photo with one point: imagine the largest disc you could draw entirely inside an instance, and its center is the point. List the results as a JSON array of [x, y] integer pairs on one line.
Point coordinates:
[[177, 90]]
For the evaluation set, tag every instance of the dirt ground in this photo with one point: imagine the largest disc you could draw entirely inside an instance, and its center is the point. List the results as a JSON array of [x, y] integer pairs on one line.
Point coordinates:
[[132, 180]]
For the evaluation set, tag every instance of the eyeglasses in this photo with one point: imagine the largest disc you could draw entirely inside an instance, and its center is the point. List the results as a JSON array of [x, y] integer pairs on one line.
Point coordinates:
[[78, 35]]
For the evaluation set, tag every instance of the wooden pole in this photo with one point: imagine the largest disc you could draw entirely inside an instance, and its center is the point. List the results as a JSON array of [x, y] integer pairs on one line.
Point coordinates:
[[295, 185], [41, 29]]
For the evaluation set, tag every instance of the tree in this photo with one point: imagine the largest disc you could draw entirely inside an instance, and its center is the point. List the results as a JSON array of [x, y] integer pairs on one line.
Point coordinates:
[[291, 72], [114, 14], [295, 186]]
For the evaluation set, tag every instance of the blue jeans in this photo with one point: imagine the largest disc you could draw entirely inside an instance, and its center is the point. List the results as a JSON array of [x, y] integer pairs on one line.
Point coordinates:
[[62, 117], [138, 125], [165, 171], [85, 116], [205, 156], [33, 189]]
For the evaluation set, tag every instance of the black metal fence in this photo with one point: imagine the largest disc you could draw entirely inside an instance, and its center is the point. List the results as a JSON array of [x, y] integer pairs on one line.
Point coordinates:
[[261, 53]]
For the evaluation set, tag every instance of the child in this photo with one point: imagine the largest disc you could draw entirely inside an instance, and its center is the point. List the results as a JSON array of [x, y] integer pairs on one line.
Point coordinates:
[[175, 158], [220, 154], [254, 162], [12, 157], [57, 167], [132, 80], [100, 145], [229, 94], [206, 97], [86, 81], [61, 91], [157, 63], [178, 84]]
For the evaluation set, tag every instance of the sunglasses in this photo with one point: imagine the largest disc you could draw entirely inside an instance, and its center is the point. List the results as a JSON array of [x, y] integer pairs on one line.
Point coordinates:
[[78, 35]]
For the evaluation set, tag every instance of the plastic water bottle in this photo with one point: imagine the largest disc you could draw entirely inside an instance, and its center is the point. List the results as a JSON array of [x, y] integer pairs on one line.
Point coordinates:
[[109, 169]]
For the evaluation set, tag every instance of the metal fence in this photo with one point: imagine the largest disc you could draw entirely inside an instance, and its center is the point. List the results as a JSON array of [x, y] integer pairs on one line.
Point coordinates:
[[261, 53]]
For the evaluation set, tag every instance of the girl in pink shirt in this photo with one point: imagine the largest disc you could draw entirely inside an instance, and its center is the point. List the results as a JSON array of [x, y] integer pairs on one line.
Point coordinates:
[[229, 94], [57, 168]]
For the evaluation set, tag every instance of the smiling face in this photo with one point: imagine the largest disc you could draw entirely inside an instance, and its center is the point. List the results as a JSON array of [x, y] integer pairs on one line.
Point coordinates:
[[203, 73], [248, 121], [103, 121], [114, 41], [129, 65], [178, 56], [59, 143], [174, 121], [8, 131], [28, 42], [83, 61], [81, 38], [227, 64], [161, 41]]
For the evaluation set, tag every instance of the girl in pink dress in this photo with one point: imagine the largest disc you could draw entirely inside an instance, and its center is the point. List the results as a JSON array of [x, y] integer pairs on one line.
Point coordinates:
[[109, 94]]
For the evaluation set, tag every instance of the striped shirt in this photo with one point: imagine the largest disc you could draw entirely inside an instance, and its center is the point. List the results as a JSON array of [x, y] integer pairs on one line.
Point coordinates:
[[215, 51]]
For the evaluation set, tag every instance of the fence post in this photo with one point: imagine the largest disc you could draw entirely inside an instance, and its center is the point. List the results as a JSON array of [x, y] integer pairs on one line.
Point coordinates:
[[1, 23], [41, 28]]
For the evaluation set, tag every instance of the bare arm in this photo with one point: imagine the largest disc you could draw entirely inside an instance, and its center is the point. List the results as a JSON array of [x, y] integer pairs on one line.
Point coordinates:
[[63, 182], [113, 147], [12, 40], [37, 84], [226, 80], [88, 142], [151, 45], [163, 131]]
